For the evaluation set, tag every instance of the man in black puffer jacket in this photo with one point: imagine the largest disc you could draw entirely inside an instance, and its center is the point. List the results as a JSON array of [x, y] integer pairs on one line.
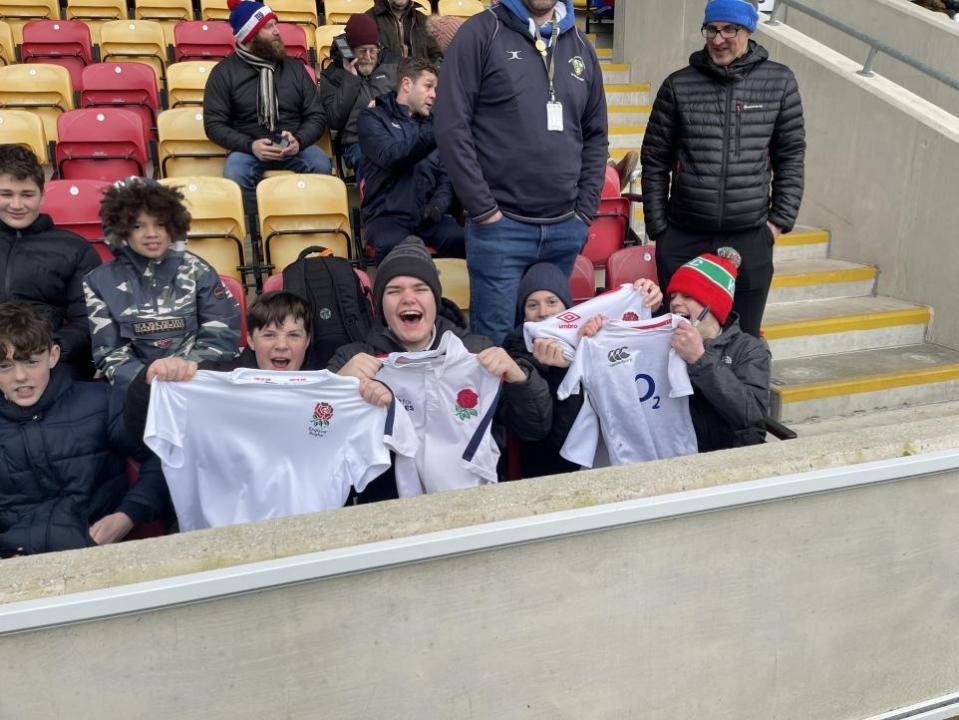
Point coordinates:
[[40, 263], [723, 130]]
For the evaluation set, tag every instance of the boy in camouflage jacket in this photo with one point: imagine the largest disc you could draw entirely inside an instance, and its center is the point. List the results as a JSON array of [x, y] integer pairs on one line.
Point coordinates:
[[156, 299]]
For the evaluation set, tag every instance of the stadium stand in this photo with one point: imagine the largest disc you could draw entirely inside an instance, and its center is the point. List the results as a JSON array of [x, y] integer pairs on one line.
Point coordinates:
[[58, 42], [339, 11], [8, 50], [101, 144], [139, 41], [75, 205], [43, 89], [297, 46], [24, 128], [298, 12], [129, 85], [96, 12], [582, 283], [324, 42], [184, 147], [185, 82], [455, 279], [460, 8], [16, 13], [630, 264], [166, 12], [202, 40], [214, 10]]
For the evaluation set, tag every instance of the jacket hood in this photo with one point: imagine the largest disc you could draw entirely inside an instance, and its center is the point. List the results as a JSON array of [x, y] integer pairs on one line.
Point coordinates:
[[519, 12], [736, 70], [60, 382], [389, 102], [41, 224]]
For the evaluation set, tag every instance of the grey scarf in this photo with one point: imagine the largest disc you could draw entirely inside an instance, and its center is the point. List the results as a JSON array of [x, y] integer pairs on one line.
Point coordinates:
[[266, 104]]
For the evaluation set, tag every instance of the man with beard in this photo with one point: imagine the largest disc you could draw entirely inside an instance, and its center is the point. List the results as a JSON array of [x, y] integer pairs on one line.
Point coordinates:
[[723, 157], [262, 106], [521, 128], [403, 30], [348, 87]]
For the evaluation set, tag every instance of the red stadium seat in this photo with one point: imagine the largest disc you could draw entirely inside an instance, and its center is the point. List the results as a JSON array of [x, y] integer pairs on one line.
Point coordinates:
[[202, 40], [630, 264], [58, 42], [607, 234], [582, 283], [75, 205], [275, 283], [239, 294], [294, 37], [611, 183], [129, 85], [101, 144]]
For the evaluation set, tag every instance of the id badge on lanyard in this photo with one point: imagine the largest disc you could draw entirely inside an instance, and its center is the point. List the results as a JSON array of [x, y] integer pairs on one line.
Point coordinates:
[[554, 108]]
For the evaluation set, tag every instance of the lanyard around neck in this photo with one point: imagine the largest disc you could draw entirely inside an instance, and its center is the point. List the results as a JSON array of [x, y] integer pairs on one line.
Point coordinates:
[[549, 64]]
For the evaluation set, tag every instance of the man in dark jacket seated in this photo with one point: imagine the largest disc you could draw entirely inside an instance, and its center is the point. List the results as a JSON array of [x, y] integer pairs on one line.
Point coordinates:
[[403, 30], [43, 264], [262, 105], [407, 190], [64, 444]]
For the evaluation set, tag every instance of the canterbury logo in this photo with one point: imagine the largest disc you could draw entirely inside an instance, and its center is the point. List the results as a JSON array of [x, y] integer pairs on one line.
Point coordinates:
[[618, 355]]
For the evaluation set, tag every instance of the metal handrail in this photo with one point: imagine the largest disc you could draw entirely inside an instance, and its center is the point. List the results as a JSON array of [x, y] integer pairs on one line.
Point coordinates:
[[875, 46]]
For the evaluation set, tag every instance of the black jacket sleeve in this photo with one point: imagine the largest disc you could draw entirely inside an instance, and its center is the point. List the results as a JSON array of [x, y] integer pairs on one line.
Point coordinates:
[[787, 152], [74, 337], [217, 113], [657, 160], [312, 115], [338, 98], [394, 151]]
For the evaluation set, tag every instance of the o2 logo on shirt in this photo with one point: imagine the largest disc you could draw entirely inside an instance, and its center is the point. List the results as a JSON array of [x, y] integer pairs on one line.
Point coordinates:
[[322, 417], [466, 401], [650, 393], [568, 320]]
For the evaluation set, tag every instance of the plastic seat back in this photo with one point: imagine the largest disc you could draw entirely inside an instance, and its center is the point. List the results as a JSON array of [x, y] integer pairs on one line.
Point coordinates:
[[96, 12], [324, 42], [239, 294], [8, 55], [58, 42], [460, 8], [101, 144], [630, 264], [20, 127], [297, 46], [166, 12], [202, 40], [298, 12], [582, 283], [339, 11], [297, 211], [75, 205], [455, 279], [217, 225], [186, 81], [607, 233], [43, 89], [17, 13], [135, 41], [184, 147], [214, 10], [129, 85]]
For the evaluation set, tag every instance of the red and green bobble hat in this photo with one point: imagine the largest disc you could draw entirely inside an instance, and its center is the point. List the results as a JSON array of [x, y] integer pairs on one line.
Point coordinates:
[[709, 280], [247, 17]]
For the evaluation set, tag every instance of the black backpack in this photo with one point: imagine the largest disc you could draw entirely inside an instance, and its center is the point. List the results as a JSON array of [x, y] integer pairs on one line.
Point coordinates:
[[341, 305]]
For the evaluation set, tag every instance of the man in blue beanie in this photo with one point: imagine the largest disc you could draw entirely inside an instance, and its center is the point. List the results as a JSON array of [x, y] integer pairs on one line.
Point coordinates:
[[521, 128], [723, 157]]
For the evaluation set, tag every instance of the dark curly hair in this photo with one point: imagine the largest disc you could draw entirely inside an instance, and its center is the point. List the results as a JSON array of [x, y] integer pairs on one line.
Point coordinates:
[[122, 204]]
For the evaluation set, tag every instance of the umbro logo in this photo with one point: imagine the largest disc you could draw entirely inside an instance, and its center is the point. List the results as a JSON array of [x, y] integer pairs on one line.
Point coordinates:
[[514, 55], [618, 355], [568, 317]]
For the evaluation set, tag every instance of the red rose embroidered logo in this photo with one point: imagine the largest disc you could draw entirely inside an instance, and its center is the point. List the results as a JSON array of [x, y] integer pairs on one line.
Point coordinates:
[[630, 316], [322, 416], [466, 400]]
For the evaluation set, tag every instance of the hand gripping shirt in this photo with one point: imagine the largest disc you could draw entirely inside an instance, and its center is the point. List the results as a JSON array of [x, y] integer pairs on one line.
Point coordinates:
[[625, 304], [254, 444], [637, 392], [451, 400]]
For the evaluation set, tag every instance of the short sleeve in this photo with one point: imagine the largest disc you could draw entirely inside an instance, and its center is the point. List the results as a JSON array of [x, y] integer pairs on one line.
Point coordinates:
[[167, 421]]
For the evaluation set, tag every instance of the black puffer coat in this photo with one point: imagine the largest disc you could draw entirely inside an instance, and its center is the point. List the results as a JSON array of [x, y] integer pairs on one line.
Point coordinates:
[[724, 134], [63, 468], [406, 37]]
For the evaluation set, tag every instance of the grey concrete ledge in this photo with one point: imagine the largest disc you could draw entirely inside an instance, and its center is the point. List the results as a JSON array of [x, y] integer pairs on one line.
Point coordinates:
[[90, 569]]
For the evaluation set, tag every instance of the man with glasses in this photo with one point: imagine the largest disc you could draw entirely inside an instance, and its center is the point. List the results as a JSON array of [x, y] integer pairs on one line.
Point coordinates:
[[350, 85], [723, 157]]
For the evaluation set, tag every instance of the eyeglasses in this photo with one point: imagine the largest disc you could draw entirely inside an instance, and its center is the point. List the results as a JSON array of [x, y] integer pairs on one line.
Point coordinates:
[[366, 50], [727, 31]]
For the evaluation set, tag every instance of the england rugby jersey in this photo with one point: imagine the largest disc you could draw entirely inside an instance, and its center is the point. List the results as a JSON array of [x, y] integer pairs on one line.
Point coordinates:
[[637, 390], [451, 400], [625, 304], [254, 444]]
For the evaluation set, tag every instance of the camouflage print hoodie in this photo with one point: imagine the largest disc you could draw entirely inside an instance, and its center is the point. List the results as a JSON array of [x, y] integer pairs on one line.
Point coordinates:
[[142, 309]]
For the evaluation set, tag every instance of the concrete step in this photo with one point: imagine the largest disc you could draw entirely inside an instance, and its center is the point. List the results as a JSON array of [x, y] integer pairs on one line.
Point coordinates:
[[819, 278], [627, 94], [628, 137], [839, 325], [602, 39], [605, 55], [615, 73], [628, 114], [803, 243], [845, 383]]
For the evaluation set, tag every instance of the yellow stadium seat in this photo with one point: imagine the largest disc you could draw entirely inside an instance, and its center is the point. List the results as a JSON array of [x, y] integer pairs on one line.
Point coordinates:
[[298, 12], [423, 6], [455, 279], [8, 55], [339, 11], [43, 89], [166, 12], [214, 10], [460, 8], [325, 143], [96, 12], [184, 148], [217, 226], [297, 211], [186, 80], [17, 13], [136, 41], [19, 127], [324, 42]]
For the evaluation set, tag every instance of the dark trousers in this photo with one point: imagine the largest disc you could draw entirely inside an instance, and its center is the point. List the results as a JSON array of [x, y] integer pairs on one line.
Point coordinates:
[[447, 237], [678, 246]]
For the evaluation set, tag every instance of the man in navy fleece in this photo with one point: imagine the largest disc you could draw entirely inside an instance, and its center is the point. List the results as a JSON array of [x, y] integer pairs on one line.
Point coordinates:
[[526, 154]]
